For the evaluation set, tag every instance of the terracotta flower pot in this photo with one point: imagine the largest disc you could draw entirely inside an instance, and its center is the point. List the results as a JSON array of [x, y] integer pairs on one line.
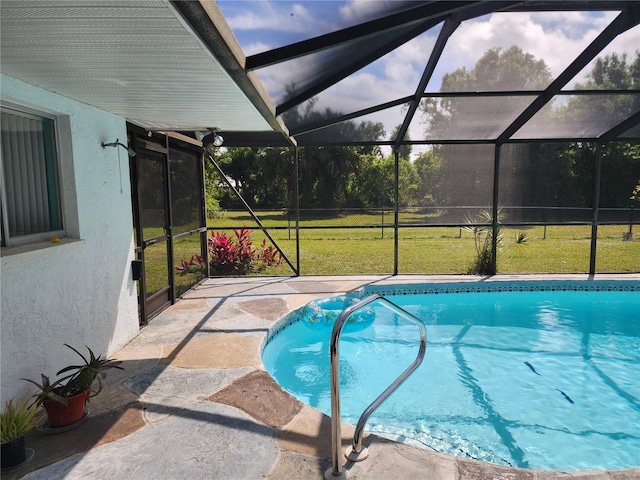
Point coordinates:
[[60, 415]]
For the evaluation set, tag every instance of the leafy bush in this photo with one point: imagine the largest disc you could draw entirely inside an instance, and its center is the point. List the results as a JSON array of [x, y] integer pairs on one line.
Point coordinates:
[[635, 195], [268, 256], [229, 256], [233, 255]]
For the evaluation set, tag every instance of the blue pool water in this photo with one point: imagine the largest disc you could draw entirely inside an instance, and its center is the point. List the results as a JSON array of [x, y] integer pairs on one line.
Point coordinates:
[[545, 378]]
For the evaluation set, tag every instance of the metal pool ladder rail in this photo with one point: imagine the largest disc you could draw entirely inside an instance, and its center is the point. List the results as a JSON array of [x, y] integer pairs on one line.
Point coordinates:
[[356, 453]]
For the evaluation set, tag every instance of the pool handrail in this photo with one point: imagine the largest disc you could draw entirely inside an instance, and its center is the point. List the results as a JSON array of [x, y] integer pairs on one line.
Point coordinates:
[[336, 434]]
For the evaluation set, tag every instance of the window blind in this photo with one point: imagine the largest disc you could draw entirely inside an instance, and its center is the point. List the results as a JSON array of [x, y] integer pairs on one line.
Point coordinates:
[[30, 179]]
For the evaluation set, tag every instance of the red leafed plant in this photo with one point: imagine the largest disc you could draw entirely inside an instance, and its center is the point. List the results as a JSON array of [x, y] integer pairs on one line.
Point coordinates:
[[233, 255], [194, 264], [237, 256], [269, 255]]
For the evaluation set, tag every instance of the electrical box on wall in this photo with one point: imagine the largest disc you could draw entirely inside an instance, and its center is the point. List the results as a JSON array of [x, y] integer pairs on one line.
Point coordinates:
[[136, 269]]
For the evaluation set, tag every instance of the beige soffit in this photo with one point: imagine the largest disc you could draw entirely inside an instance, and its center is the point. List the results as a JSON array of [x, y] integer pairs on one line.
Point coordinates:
[[139, 59]]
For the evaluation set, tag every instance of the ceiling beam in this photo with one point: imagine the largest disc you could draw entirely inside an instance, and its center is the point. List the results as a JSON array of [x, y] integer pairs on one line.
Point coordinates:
[[572, 5]]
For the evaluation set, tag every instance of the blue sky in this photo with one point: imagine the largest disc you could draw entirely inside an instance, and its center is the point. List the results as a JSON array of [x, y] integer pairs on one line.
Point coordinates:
[[556, 37]]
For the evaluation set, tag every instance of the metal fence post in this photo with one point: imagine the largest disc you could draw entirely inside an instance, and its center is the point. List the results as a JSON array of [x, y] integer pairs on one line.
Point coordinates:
[[396, 213], [596, 207], [494, 211]]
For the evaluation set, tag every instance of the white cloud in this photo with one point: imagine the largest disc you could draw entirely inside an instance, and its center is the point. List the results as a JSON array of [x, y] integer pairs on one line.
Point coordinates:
[[274, 21], [254, 48], [507, 29], [356, 10], [406, 64], [555, 37], [572, 24], [262, 17]]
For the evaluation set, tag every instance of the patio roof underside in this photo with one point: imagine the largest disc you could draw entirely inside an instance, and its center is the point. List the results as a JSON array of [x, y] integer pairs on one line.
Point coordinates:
[[312, 67]]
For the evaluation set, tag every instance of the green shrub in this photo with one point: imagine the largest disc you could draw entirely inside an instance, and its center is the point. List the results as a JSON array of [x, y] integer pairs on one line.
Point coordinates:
[[17, 419]]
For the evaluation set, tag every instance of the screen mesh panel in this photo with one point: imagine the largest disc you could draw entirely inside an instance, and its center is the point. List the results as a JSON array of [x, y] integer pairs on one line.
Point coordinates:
[[546, 182], [619, 177], [297, 75], [368, 128], [468, 117], [511, 33], [186, 175], [580, 116], [385, 80], [152, 198], [546, 249], [458, 188], [618, 46]]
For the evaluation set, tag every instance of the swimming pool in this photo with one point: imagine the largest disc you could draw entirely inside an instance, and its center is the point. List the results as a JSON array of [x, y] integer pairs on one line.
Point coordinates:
[[535, 374]]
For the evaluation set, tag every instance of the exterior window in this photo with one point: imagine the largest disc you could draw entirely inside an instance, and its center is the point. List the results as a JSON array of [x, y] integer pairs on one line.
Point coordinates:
[[30, 188]]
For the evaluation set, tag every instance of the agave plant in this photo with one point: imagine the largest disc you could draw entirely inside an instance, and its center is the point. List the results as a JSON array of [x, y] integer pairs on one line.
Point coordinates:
[[47, 391], [85, 375], [80, 380]]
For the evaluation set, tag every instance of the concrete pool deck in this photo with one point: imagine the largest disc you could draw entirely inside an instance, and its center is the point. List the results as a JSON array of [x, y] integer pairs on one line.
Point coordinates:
[[194, 401]]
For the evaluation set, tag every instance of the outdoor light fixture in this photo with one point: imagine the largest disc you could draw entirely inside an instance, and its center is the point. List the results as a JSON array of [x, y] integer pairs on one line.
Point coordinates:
[[118, 144], [130, 151], [210, 139]]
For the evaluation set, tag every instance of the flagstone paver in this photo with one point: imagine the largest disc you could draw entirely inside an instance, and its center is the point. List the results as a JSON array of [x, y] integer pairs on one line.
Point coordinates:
[[256, 393], [291, 465], [222, 350], [269, 309], [310, 433], [483, 471], [222, 443], [165, 389]]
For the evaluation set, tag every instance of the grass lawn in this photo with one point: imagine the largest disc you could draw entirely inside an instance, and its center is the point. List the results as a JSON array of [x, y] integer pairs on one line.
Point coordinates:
[[439, 250], [422, 250]]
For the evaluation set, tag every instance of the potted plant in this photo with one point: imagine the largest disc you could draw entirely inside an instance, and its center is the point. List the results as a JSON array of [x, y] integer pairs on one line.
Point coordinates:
[[64, 400], [16, 420]]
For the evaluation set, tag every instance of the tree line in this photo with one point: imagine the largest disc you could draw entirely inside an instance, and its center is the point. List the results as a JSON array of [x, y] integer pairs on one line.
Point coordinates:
[[555, 174]]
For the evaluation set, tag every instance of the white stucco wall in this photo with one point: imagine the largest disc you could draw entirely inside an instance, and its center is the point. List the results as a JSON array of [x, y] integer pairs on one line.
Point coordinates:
[[79, 291]]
